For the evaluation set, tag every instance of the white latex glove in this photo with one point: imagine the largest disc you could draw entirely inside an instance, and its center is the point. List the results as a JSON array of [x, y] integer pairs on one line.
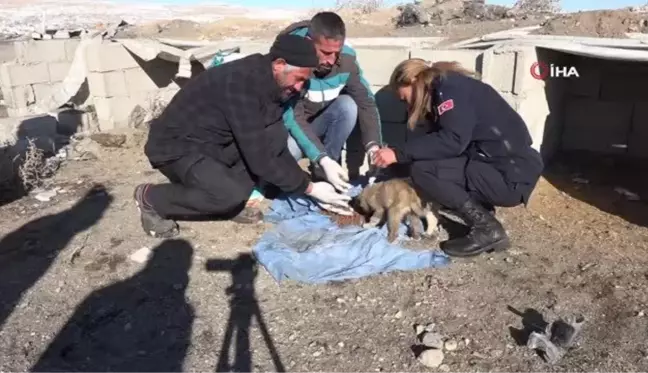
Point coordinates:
[[328, 199], [335, 174]]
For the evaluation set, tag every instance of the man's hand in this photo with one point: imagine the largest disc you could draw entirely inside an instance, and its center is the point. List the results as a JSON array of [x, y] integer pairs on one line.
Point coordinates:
[[385, 157], [335, 174], [328, 199]]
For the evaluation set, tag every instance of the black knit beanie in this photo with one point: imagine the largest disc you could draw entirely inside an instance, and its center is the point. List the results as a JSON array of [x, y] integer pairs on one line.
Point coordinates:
[[296, 50]]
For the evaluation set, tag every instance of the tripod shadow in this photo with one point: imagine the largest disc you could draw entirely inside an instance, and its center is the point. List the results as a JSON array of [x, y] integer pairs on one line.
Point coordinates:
[[243, 307], [142, 323]]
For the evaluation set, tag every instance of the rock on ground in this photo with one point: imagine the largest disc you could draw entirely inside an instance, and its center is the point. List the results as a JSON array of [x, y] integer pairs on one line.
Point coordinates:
[[67, 285]]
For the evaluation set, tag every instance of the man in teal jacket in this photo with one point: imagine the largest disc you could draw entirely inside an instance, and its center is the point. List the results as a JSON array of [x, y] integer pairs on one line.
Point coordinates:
[[334, 100]]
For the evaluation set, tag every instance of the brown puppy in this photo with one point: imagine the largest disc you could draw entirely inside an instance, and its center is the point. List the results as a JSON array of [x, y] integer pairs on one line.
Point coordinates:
[[398, 199]]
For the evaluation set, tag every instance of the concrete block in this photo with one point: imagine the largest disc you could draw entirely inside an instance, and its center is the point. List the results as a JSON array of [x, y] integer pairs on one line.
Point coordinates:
[[378, 64], [20, 112], [469, 59], [639, 132], [7, 52], [14, 74], [58, 70], [43, 91], [34, 51], [114, 112], [19, 97], [71, 46], [595, 125], [534, 109], [498, 69], [252, 48], [108, 84], [137, 80], [523, 81], [107, 56]]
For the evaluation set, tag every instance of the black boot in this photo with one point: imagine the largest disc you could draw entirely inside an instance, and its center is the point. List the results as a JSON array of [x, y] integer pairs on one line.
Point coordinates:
[[486, 233]]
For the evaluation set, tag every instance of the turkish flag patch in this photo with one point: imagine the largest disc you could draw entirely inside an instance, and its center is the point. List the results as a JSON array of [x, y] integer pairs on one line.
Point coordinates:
[[446, 105]]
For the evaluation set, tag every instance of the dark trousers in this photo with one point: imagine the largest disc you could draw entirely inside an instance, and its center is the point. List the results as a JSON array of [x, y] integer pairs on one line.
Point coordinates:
[[200, 186], [451, 182]]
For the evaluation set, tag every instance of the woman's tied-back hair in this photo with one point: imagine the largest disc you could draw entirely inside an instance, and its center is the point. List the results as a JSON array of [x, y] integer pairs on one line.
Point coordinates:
[[420, 74]]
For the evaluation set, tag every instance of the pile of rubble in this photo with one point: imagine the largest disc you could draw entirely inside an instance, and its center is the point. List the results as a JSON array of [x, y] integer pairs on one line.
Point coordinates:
[[443, 12], [610, 23]]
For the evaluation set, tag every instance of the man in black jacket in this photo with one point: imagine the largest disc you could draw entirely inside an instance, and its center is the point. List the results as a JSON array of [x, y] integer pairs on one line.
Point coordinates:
[[222, 134]]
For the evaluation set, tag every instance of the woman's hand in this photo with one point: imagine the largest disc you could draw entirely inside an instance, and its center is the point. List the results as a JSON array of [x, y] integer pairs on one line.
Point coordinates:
[[385, 157]]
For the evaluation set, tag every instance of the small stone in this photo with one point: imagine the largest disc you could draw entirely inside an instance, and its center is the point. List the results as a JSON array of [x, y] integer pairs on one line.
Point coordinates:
[[46, 196], [419, 329], [433, 340], [398, 314], [292, 337], [508, 260], [340, 344], [431, 358], [466, 341], [496, 354], [641, 314], [340, 300], [128, 326], [317, 353], [450, 345], [444, 368], [430, 327], [358, 299], [141, 256]]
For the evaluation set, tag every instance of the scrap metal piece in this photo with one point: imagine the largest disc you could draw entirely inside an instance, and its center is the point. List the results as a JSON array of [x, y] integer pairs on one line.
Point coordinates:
[[557, 339], [564, 333], [542, 342]]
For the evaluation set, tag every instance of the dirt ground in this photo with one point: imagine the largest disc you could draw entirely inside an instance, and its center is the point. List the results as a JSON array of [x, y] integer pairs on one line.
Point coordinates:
[[70, 293], [603, 23]]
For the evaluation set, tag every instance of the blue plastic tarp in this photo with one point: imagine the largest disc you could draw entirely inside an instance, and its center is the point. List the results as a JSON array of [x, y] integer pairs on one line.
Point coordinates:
[[307, 246]]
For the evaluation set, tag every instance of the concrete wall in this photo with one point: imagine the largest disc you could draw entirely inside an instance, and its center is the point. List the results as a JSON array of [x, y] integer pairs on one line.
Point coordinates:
[[119, 82], [603, 110], [37, 67]]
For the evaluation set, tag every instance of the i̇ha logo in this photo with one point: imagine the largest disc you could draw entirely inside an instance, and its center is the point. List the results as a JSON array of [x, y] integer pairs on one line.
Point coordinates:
[[542, 71]]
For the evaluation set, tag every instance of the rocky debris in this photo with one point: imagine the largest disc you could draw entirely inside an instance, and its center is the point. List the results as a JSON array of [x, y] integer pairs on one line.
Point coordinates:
[[109, 140], [443, 12], [431, 358], [535, 7], [598, 23], [429, 347]]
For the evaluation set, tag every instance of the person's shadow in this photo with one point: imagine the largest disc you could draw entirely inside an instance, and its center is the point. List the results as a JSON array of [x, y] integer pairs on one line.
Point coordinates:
[[243, 307], [143, 323], [28, 252]]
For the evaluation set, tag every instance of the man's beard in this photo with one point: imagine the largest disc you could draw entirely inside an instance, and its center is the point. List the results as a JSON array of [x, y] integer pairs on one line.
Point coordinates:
[[322, 70]]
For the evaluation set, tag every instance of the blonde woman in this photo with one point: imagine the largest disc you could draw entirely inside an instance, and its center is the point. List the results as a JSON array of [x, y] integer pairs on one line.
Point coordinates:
[[468, 150]]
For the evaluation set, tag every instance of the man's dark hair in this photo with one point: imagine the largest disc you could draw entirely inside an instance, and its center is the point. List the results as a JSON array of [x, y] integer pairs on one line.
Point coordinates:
[[328, 25]]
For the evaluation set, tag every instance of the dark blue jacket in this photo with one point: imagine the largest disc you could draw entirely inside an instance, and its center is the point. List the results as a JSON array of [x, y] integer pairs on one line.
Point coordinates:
[[472, 119]]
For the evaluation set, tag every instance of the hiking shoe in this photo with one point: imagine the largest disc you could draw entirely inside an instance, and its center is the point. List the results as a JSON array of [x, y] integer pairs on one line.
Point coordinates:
[[153, 224], [249, 215]]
